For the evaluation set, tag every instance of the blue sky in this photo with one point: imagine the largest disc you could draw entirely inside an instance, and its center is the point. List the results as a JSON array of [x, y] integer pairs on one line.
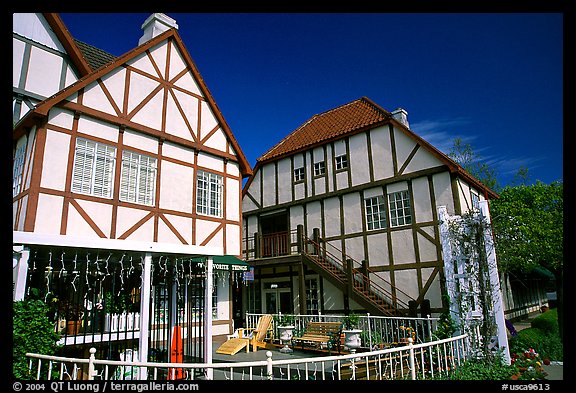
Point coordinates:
[[493, 79]]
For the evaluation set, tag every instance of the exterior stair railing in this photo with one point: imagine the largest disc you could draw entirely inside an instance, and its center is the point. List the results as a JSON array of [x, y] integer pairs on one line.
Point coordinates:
[[361, 281]]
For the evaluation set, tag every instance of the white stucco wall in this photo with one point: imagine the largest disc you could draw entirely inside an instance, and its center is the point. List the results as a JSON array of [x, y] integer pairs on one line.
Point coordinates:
[[284, 181], [269, 185], [422, 208], [382, 153], [332, 217], [352, 213], [176, 187], [359, 164], [56, 153]]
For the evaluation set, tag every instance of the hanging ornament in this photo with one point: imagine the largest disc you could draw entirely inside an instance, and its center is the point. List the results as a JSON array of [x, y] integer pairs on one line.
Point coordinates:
[[86, 270], [141, 272], [48, 276], [63, 271], [121, 274], [31, 272]]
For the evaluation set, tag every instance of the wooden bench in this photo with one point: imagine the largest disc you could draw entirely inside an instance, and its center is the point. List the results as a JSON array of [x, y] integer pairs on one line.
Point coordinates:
[[318, 334]]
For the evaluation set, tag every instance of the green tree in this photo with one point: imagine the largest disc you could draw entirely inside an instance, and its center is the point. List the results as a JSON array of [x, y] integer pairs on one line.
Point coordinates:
[[472, 162], [528, 222]]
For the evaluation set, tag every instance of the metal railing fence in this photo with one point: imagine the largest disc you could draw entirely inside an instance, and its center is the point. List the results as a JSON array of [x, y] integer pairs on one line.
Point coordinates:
[[428, 360], [378, 331]]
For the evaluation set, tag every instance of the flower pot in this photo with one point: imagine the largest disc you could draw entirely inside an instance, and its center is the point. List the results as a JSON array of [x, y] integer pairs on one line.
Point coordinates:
[[73, 327], [352, 339], [285, 337], [285, 332]]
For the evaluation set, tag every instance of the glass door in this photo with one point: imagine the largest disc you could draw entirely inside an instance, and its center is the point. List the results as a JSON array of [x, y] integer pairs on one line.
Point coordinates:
[[278, 298]]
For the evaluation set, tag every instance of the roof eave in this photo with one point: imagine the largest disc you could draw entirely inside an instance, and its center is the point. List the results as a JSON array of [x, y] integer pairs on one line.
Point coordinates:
[[67, 41]]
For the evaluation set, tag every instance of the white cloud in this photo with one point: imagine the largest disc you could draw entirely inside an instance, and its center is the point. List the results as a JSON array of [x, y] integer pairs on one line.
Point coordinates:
[[442, 132]]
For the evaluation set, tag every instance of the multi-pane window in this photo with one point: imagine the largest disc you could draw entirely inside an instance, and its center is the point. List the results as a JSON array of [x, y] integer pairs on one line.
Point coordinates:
[[375, 212], [475, 201], [94, 164], [299, 174], [138, 179], [17, 170], [209, 194], [319, 168], [400, 210], [341, 162]]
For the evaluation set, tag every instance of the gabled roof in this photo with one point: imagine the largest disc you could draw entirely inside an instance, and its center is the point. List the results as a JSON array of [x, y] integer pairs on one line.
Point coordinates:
[[94, 56], [42, 108], [353, 117], [85, 57], [346, 120], [76, 55]]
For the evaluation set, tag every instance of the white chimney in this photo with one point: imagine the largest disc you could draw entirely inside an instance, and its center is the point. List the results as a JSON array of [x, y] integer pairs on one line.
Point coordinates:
[[402, 116], [154, 25]]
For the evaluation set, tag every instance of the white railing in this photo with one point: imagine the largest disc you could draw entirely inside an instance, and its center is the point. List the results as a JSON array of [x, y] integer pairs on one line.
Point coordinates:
[[412, 361], [379, 331]]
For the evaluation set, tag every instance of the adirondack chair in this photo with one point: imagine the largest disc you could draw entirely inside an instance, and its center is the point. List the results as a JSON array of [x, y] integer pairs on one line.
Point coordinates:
[[244, 337], [257, 335]]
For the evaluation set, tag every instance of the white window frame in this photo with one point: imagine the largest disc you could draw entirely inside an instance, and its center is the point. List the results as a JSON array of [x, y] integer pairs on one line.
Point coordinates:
[[319, 168], [475, 198], [400, 209], [209, 193], [341, 162], [375, 210], [94, 166], [299, 174], [138, 178], [18, 169]]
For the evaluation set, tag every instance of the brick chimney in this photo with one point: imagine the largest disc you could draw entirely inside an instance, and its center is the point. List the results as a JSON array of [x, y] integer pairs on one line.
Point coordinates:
[[154, 25], [402, 116]]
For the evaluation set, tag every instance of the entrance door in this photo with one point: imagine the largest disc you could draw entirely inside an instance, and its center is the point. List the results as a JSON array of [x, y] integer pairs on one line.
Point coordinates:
[[278, 298]]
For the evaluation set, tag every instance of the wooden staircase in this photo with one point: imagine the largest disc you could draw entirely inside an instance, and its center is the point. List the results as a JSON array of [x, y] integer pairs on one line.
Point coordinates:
[[366, 287]]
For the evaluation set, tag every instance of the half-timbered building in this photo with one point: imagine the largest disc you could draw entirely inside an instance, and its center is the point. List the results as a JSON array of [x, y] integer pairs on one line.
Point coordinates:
[[341, 215], [126, 191]]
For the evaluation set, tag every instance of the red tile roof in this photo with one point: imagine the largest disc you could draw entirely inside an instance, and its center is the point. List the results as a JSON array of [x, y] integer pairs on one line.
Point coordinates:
[[346, 119]]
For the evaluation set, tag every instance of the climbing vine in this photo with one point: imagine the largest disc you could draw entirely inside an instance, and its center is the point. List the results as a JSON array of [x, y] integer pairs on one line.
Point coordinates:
[[473, 292]]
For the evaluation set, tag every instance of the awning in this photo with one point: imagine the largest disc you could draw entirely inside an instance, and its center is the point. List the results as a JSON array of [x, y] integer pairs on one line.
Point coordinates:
[[229, 262]]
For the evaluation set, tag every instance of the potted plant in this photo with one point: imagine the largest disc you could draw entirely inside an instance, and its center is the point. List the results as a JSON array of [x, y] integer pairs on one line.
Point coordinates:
[[351, 332], [285, 329], [120, 312], [408, 332], [73, 313]]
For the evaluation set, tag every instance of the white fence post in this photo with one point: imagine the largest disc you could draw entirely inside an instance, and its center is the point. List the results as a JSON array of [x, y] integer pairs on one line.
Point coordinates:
[[145, 313], [498, 305], [412, 362], [269, 372], [208, 316], [91, 371]]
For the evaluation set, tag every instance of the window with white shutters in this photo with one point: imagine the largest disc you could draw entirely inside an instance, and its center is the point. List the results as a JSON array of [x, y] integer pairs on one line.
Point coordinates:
[[17, 170], [94, 164], [138, 178], [209, 194]]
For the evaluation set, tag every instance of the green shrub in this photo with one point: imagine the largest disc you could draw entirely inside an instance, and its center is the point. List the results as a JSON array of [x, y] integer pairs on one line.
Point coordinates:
[[33, 332], [483, 369], [547, 345], [547, 322]]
